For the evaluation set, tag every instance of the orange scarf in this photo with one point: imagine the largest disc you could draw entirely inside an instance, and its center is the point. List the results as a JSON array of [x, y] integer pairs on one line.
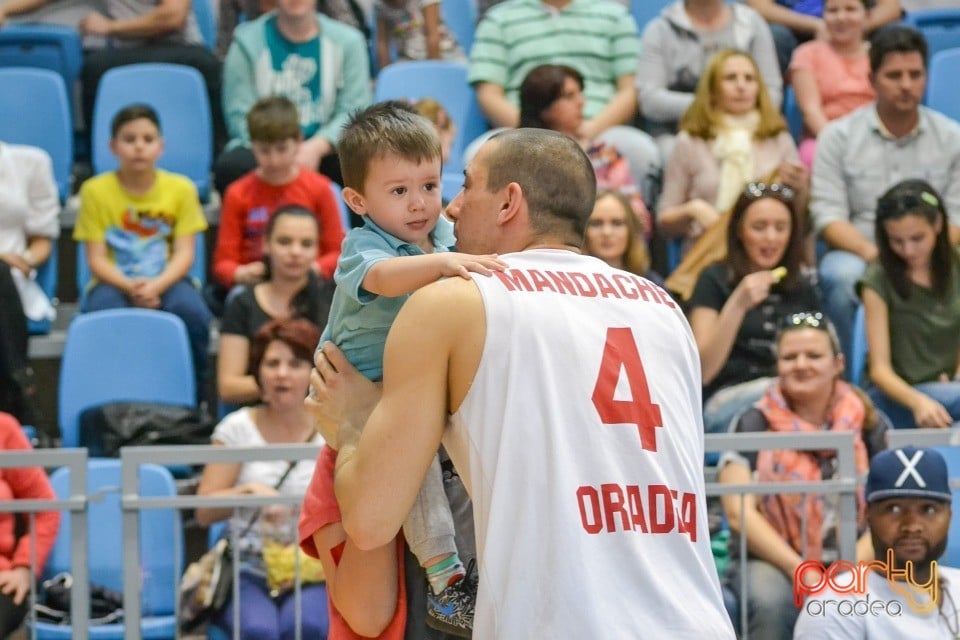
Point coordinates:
[[787, 511]]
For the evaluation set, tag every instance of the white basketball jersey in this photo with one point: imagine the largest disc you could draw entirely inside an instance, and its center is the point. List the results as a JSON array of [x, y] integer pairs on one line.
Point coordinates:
[[581, 444]]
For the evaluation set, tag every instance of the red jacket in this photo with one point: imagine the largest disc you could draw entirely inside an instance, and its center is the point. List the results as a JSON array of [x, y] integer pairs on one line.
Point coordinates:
[[29, 483], [248, 205]]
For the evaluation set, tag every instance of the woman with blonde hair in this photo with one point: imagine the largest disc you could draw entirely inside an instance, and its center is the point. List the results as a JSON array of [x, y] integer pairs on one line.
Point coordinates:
[[730, 135]]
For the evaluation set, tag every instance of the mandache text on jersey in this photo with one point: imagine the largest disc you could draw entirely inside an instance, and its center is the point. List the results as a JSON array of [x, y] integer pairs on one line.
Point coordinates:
[[612, 507], [620, 285]]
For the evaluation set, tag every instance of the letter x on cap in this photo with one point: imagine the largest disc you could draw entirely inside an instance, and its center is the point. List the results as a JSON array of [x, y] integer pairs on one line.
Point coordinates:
[[908, 473]]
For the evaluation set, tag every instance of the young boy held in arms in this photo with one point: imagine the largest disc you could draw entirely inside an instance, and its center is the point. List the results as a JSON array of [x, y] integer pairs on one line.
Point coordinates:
[[391, 162]]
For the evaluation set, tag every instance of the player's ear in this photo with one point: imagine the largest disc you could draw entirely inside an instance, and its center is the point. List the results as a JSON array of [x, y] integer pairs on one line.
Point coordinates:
[[512, 203], [355, 201]]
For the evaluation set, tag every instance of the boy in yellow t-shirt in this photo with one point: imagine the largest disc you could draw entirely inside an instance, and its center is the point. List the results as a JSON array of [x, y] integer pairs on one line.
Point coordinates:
[[139, 223]]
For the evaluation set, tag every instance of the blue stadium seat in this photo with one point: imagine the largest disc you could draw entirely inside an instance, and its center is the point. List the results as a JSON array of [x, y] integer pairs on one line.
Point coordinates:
[[943, 90], [445, 82], [940, 27], [792, 114], [47, 279], [35, 110], [646, 10], [43, 46], [123, 355], [198, 271], [161, 540], [951, 556], [341, 205], [858, 350], [206, 21], [674, 249], [460, 17], [179, 96]]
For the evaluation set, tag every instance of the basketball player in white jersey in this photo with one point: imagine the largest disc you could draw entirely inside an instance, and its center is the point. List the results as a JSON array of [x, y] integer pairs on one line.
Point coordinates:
[[567, 394]]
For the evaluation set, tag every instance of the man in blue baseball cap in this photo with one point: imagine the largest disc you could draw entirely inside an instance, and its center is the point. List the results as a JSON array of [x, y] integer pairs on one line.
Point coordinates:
[[904, 593]]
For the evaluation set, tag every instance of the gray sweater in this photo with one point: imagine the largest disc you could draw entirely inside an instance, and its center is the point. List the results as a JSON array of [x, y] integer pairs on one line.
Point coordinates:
[[673, 55]]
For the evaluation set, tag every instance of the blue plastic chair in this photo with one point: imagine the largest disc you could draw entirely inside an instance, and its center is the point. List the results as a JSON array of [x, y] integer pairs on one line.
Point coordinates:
[[940, 27], [943, 90], [35, 110], [161, 542], [198, 270], [674, 250], [446, 82], [123, 355], [460, 17], [179, 96], [341, 205], [951, 556], [858, 350], [646, 10], [47, 279], [792, 114], [52, 47], [206, 21]]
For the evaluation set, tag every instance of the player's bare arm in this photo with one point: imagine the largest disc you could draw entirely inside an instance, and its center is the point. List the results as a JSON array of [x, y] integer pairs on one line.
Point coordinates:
[[431, 355]]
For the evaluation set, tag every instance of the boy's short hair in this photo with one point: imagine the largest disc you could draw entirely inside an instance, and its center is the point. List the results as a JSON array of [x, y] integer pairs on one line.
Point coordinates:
[[386, 127], [273, 119], [130, 113], [896, 38]]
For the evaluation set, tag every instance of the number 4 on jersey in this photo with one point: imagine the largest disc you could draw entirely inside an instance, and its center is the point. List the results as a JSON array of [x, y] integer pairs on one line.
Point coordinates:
[[620, 352]]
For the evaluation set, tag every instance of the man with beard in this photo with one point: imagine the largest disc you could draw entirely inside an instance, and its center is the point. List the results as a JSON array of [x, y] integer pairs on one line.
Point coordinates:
[[904, 593]]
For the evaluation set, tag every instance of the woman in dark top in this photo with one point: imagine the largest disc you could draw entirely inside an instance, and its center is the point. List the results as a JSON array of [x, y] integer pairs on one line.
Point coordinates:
[[291, 289], [737, 303]]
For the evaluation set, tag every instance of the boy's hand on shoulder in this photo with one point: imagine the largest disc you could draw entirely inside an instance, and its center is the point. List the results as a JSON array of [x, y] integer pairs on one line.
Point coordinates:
[[461, 264]]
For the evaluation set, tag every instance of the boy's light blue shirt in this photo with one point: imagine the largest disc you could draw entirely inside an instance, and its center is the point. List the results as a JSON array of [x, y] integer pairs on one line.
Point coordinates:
[[359, 320]]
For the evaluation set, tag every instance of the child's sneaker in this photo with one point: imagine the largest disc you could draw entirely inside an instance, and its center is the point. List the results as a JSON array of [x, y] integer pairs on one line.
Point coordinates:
[[451, 610]]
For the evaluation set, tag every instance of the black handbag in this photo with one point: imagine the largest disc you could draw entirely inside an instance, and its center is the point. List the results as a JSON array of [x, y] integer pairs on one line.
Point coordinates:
[[106, 606], [106, 428]]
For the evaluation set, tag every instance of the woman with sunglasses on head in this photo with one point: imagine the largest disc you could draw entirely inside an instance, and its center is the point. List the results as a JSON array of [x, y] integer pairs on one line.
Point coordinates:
[[736, 303], [730, 135], [808, 395], [913, 292]]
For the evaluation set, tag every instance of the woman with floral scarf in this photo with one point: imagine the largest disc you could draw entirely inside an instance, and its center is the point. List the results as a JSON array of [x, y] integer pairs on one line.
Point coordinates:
[[808, 395]]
